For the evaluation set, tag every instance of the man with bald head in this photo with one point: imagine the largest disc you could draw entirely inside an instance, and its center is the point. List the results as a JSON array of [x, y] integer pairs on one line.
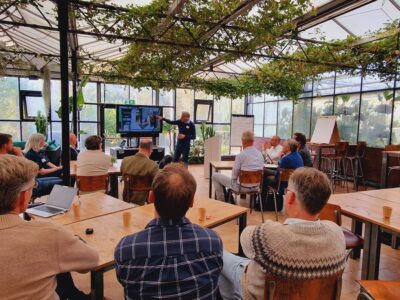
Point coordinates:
[[73, 150], [273, 150], [139, 165], [171, 258]]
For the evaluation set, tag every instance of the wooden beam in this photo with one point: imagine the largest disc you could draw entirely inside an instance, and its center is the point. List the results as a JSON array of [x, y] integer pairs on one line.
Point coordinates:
[[174, 9]]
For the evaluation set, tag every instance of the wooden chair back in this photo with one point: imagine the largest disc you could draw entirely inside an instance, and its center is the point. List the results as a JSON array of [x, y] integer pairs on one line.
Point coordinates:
[[341, 148], [284, 174], [392, 148], [138, 183], [251, 177], [278, 288], [92, 183], [331, 212]]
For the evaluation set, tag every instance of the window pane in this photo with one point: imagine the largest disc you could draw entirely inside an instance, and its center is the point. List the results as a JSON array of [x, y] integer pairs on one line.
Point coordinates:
[[11, 128], [325, 86], [90, 92], [258, 112], [168, 113], [34, 106], [321, 107], [31, 85], [200, 95], [372, 82], [347, 83], [55, 99], [258, 130], [222, 110], [270, 115], [116, 93], [257, 99], [285, 111], [302, 116], [9, 97], [269, 98], [224, 131], [375, 118], [144, 96], [346, 111], [203, 113], [88, 112], [269, 130], [86, 129], [238, 106], [184, 101], [396, 120], [56, 132], [166, 98], [28, 128]]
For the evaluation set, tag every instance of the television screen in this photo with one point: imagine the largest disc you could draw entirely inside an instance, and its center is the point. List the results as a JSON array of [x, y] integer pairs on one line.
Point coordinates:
[[138, 120]]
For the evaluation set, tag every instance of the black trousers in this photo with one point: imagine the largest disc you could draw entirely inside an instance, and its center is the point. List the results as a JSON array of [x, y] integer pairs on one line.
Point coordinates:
[[67, 290], [182, 148]]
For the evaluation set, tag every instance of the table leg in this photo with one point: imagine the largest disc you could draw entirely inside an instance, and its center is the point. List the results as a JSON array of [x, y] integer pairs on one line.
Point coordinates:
[[371, 252], [242, 226], [356, 227], [210, 183], [114, 185], [97, 285], [384, 170]]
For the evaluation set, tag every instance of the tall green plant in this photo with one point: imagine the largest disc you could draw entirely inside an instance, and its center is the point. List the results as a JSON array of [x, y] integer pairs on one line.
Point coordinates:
[[41, 124]]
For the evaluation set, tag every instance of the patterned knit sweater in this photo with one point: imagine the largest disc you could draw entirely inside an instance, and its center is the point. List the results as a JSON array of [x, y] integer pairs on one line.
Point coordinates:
[[299, 251]]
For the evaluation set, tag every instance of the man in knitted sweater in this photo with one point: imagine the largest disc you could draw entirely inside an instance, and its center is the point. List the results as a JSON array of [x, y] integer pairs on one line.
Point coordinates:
[[304, 247]]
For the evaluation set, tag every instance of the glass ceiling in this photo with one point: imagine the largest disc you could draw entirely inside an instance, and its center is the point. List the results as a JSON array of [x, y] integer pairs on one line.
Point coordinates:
[[358, 22]]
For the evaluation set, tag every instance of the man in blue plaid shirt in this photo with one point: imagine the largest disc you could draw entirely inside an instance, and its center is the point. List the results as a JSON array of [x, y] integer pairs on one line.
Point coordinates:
[[171, 258]]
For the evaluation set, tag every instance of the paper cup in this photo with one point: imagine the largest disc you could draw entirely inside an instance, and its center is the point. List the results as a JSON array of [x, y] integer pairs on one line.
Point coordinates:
[[126, 218], [387, 211], [76, 209], [202, 214]]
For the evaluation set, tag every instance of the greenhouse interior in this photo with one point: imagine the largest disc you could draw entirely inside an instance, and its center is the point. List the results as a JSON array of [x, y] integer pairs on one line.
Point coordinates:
[[110, 99]]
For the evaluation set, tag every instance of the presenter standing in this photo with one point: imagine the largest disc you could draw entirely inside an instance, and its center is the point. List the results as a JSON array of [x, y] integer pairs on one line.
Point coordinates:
[[187, 132]]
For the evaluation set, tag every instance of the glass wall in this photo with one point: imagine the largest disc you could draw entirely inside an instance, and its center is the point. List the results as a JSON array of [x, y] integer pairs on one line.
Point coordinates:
[[363, 107]]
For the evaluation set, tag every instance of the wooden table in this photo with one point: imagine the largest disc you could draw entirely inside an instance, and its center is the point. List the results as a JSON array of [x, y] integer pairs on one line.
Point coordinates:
[[114, 171], [368, 210], [384, 171], [109, 230], [91, 206], [227, 165], [379, 289], [392, 195], [319, 148]]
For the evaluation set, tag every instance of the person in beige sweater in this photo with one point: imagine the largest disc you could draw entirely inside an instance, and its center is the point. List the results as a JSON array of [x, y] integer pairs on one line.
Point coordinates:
[[304, 247], [33, 253]]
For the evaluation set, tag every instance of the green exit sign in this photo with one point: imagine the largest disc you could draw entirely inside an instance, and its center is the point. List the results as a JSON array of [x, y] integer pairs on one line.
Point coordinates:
[[130, 102]]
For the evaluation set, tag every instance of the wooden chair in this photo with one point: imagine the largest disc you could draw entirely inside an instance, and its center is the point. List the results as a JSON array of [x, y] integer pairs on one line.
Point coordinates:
[[92, 183], [333, 213], [250, 183], [393, 148], [355, 161], [284, 176], [278, 288], [379, 289], [136, 184]]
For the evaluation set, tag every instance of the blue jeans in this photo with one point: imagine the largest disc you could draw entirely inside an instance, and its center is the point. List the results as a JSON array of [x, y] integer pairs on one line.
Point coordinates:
[[182, 148], [45, 185], [232, 271]]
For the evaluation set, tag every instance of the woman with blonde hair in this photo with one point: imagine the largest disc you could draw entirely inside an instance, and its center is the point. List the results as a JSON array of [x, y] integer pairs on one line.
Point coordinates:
[[34, 151]]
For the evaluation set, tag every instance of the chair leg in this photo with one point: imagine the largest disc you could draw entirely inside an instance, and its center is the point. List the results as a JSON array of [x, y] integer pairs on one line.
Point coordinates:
[[276, 207], [345, 173], [361, 172], [261, 206]]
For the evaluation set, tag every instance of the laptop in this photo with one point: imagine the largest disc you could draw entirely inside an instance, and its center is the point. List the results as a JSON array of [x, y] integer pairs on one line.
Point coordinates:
[[58, 202]]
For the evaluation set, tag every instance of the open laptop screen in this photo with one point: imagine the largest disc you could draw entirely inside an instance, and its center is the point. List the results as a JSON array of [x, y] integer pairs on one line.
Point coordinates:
[[62, 196]]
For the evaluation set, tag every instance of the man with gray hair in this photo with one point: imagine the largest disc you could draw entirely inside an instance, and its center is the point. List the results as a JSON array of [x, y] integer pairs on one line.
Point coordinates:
[[250, 159], [37, 256], [139, 165], [291, 160], [304, 247]]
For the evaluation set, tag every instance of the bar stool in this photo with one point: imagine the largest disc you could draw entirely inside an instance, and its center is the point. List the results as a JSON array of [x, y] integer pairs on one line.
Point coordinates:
[[396, 167], [336, 165], [355, 162]]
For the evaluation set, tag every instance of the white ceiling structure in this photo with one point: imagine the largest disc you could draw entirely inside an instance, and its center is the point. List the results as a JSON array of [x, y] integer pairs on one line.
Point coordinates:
[[357, 18]]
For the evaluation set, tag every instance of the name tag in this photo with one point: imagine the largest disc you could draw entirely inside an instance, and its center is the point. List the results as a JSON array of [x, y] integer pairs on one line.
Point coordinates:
[[43, 160], [187, 127]]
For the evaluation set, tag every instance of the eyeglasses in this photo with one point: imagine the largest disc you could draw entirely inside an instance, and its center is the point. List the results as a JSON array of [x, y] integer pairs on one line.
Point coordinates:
[[287, 190]]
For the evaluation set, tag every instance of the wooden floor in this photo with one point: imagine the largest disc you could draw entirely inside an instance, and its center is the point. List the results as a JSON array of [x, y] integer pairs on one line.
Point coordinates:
[[389, 267]]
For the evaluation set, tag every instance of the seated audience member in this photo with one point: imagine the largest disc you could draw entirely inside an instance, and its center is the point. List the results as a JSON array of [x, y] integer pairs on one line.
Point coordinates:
[[304, 247], [73, 151], [34, 151], [171, 258], [139, 165], [250, 159], [37, 256], [273, 150], [302, 148], [93, 161], [6, 145]]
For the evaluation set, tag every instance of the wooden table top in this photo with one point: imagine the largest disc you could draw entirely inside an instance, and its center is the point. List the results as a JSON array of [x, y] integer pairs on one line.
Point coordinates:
[[114, 169], [321, 145], [368, 209], [380, 289], [392, 195], [392, 152], [228, 165], [109, 229], [91, 206]]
